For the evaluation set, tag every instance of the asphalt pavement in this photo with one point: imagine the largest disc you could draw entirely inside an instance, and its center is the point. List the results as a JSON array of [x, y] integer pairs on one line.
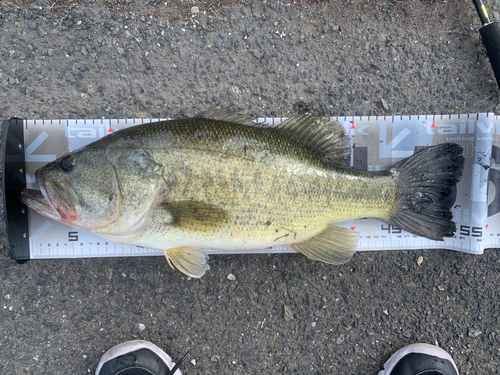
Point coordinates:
[[279, 313]]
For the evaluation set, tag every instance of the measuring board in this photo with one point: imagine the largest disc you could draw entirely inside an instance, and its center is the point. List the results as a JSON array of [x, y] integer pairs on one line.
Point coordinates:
[[377, 143]]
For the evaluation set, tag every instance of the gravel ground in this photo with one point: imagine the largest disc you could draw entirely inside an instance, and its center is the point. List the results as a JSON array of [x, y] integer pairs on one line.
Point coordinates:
[[280, 313]]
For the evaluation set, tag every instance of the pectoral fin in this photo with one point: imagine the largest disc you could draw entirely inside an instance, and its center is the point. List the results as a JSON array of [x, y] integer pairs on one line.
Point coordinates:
[[190, 261], [194, 216], [334, 245]]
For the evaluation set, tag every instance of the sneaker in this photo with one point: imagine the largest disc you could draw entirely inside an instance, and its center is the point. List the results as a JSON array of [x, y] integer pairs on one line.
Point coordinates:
[[420, 359], [137, 357]]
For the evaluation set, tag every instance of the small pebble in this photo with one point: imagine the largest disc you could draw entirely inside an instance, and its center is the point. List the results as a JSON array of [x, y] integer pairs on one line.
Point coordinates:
[[420, 260], [474, 332], [384, 104], [288, 313], [109, 273]]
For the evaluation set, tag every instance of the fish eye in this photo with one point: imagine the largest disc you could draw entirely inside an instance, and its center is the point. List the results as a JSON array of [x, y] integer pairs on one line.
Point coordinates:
[[68, 163]]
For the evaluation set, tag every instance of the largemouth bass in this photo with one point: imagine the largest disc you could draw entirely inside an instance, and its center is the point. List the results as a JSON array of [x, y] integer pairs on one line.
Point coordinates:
[[226, 183]]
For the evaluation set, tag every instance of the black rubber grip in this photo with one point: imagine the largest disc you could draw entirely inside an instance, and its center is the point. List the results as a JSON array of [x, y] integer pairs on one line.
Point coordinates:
[[491, 39]]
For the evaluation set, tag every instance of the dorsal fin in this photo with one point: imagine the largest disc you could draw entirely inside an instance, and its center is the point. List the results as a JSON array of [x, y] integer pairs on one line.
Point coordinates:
[[216, 113], [328, 136]]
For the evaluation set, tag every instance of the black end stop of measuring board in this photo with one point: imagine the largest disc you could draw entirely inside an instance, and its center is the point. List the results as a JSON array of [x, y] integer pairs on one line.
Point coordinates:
[[490, 33], [491, 39], [14, 181]]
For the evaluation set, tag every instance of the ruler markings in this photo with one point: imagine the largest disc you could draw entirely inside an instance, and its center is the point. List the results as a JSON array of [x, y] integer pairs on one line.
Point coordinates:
[[373, 241]]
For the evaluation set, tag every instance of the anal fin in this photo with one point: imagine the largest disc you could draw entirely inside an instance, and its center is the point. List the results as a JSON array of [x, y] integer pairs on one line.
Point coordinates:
[[334, 245], [189, 260]]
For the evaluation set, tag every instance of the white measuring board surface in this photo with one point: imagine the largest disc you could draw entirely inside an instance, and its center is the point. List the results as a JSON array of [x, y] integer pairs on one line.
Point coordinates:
[[377, 143]]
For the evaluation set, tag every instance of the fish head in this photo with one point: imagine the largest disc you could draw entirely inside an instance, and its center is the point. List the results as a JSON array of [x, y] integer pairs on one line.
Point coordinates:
[[106, 189], [80, 189]]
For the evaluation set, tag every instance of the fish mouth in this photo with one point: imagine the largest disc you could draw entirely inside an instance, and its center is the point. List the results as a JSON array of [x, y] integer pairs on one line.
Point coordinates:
[[52, 200]]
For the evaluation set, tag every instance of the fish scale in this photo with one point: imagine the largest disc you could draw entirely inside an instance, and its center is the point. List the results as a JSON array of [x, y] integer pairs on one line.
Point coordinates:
[[294, 193]]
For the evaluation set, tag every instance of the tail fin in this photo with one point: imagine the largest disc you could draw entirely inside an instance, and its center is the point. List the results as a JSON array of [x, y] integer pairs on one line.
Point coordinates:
[[424, 181]]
